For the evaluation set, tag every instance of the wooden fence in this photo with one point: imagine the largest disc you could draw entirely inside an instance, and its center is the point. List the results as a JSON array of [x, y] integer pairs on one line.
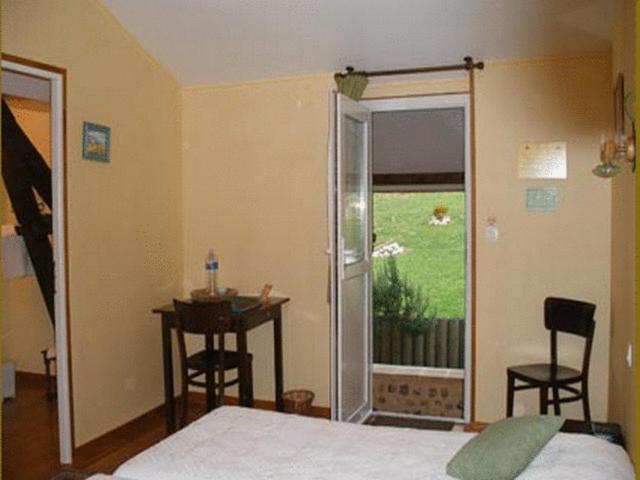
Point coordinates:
[[439, 344]]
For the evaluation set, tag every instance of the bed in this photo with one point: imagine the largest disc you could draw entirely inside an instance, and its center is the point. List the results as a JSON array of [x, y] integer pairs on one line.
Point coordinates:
[[233, 443]]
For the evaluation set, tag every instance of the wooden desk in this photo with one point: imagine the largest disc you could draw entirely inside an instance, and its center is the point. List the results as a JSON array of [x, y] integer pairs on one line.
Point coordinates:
[[242, 323]]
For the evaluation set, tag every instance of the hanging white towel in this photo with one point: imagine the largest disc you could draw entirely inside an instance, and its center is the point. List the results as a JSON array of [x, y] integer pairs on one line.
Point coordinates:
[[15, 259]]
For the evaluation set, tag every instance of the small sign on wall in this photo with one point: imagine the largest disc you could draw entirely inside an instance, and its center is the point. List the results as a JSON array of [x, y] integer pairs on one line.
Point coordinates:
[[542, 160], [542, 199]]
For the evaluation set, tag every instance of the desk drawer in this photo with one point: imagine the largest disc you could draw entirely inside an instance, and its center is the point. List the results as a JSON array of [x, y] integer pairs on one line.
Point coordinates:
[[257, 317]]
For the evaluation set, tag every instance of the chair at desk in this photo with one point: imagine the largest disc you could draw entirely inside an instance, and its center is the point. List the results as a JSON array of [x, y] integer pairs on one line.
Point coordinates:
[[567, 316], [209, 320]]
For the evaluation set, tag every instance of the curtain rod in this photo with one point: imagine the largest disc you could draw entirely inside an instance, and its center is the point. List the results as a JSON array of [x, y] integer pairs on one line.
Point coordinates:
[[468, 64]]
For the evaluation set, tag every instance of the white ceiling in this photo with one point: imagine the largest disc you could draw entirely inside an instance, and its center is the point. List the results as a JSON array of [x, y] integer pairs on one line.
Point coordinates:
[[213, 41]]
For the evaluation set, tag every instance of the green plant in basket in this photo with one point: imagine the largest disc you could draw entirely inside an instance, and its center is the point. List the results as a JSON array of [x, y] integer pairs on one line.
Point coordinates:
[[440, 211]]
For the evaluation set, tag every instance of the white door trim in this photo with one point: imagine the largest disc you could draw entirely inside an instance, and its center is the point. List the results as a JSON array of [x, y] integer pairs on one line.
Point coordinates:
[[340, 271], [59, 251], [449, 101]]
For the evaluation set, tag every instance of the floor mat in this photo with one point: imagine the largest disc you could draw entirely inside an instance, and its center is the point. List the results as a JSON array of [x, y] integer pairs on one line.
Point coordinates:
[[389, 421]]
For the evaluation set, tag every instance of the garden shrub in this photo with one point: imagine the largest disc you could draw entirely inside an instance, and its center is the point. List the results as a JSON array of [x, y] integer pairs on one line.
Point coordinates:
[[398, 301]]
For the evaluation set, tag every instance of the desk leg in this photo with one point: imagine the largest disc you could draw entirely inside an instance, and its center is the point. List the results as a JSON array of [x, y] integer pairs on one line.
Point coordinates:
[[277, 358], [167, 361], [245, 396], [210, 377]]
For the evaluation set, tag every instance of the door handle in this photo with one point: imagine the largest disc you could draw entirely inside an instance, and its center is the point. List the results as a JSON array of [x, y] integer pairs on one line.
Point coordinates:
[[340, 258]]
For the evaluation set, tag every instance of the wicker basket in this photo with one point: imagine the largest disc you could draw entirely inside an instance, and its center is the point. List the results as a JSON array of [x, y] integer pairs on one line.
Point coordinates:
[[298, 401]]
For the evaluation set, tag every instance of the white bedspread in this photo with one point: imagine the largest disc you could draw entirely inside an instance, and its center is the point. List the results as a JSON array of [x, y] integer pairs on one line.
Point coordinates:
[[234, 443]]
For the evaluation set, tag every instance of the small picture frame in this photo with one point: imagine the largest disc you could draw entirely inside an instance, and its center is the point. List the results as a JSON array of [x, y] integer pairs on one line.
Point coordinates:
[[542, 199], [96, 142]]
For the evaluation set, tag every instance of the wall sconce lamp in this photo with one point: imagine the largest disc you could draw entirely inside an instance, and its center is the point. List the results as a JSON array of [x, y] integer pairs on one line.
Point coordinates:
[[612, 152], [619, 146]]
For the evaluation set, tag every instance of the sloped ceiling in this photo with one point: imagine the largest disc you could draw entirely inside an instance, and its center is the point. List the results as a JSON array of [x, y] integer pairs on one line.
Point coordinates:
[[215, 41]]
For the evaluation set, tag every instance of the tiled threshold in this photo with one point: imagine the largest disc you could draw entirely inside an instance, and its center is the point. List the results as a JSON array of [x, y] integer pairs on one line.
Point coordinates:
[[386, 369]]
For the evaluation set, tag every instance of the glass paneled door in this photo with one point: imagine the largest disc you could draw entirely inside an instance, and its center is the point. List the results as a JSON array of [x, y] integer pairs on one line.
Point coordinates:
[[350, 208]]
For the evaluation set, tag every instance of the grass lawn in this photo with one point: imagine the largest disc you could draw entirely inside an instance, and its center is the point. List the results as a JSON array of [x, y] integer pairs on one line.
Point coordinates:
[[434, 256]]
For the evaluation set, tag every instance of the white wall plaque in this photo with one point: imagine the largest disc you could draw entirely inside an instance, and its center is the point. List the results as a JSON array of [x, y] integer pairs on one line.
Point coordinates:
[[542, 160]]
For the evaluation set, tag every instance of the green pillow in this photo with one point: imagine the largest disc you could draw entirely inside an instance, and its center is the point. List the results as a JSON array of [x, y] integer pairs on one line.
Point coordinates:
[[504, 449]]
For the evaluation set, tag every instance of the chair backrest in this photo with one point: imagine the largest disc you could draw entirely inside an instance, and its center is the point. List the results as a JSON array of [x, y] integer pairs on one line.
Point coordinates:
[[569, 316], [209, 319], [573, 317], [203, 318]]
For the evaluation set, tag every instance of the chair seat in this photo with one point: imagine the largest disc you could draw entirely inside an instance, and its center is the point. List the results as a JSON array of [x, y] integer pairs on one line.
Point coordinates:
[[542, 373], [198, 361]]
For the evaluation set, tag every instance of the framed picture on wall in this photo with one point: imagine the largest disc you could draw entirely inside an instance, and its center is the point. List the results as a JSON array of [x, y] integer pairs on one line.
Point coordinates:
[[96, 142]]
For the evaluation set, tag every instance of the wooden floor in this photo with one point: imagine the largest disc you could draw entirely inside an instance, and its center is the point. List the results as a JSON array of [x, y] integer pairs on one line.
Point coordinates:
[[30, 437], [29, 432]]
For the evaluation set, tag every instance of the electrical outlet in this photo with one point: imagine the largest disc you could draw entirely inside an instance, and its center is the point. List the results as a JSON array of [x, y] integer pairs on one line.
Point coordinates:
[[629, 357]]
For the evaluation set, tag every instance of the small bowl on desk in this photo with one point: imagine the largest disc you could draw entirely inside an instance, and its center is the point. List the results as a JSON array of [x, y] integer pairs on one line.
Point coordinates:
[[203, 295], [225, 292]]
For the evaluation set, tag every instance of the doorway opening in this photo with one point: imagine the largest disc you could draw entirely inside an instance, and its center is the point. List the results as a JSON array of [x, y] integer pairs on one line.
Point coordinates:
[[34, 247], [421, 268]]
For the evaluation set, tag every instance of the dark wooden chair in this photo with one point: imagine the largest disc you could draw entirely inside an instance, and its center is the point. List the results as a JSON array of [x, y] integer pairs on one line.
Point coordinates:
[[567, 316], [208, 319]]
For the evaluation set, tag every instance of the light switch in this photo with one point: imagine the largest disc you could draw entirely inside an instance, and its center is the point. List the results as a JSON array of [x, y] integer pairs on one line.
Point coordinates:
[[491, 232]]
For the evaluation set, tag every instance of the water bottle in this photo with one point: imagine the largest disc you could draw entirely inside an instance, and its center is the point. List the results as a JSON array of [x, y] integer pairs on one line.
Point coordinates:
[[211, 266]]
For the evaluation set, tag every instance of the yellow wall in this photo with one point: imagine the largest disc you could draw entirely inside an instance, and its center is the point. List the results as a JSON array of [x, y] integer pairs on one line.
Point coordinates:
[[26, 326], [566, 253], [34, 117], [254, 188], [255, 164], [622, 399], [125, 230]]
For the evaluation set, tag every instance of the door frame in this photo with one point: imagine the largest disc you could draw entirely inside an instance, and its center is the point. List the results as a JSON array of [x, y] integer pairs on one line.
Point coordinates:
[[58, 80], [451, 100]]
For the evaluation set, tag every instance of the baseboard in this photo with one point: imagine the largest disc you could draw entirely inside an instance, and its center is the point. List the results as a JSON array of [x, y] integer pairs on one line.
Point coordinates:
[[316, 411], [91, 451], [97, 448]]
